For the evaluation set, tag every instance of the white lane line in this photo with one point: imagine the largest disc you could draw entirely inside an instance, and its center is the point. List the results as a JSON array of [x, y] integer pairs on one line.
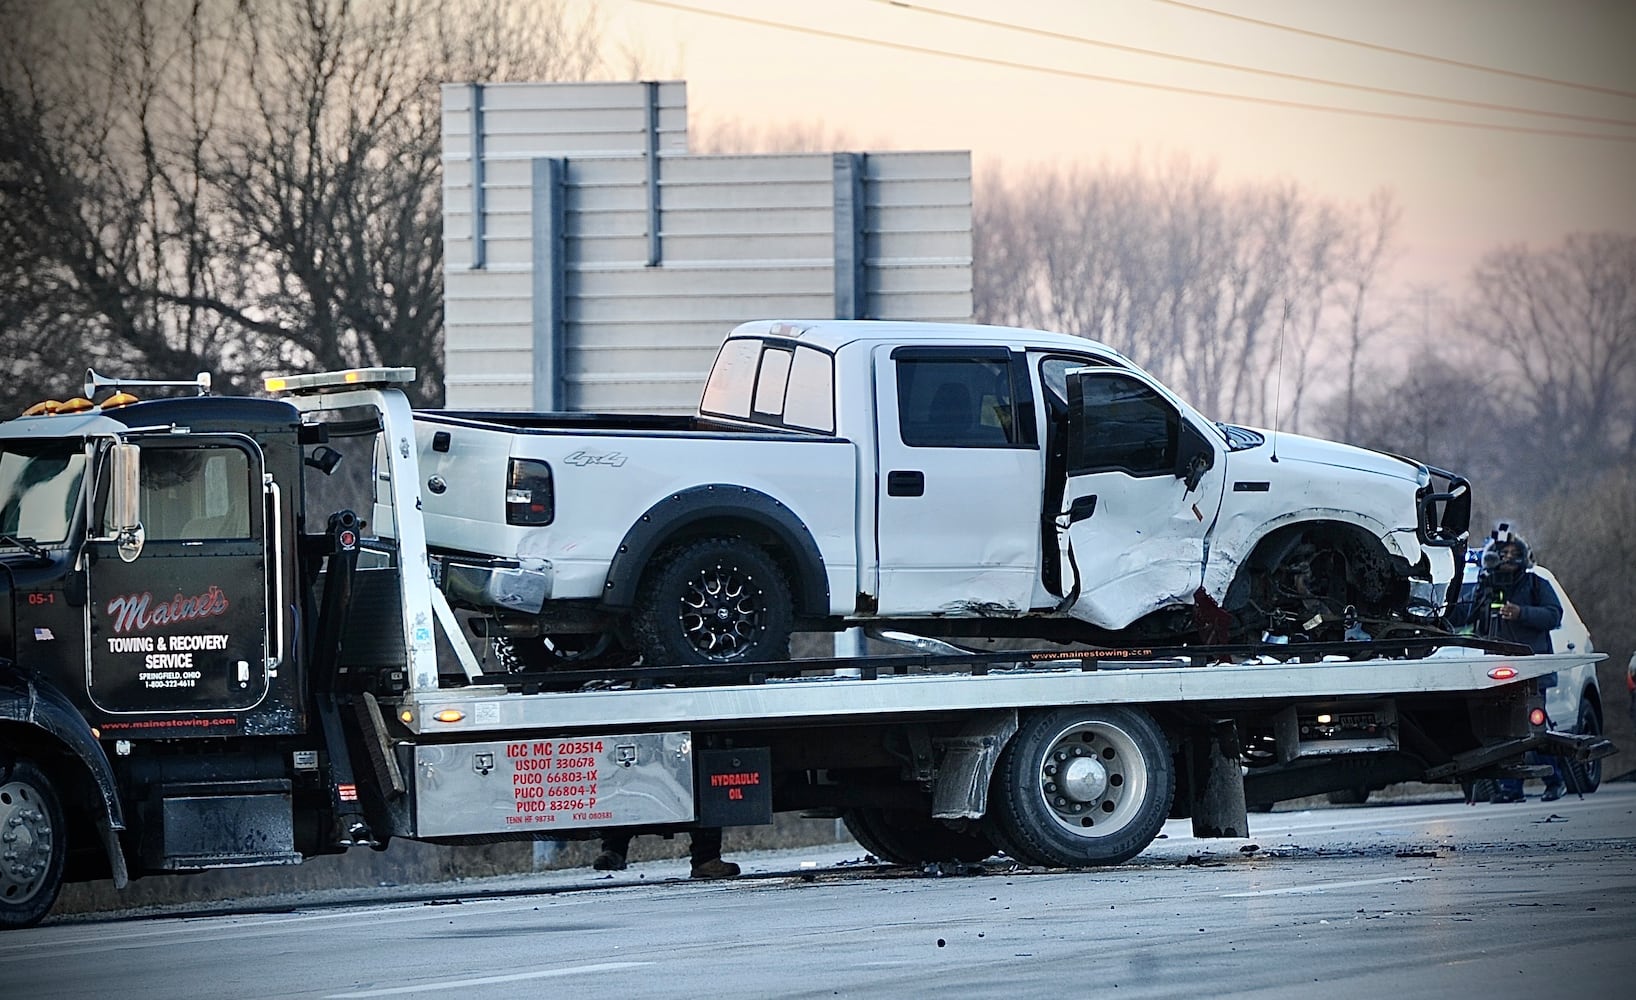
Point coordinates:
[[1317, 887], [225, 928], [455, 984]]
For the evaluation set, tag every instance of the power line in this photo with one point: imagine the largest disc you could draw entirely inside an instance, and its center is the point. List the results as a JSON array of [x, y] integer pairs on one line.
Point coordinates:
[[1339, 39], [1255, 70], [1165, 87]]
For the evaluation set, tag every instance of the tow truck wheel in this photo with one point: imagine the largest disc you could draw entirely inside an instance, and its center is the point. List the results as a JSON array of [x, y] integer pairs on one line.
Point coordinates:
[[32, 845], [714, 600], [904, 837], [1084, 786], [1587, 777]]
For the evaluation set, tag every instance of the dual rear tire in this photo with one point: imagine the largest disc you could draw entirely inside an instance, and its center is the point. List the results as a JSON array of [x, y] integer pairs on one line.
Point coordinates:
[[1080, 787]]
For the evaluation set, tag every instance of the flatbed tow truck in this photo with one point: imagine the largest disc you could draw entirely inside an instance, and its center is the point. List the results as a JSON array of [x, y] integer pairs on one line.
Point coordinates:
[[207, 660]]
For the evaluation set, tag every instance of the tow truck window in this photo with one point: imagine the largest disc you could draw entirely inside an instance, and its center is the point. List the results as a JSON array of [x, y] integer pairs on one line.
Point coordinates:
[[193, 494], [39, 488]]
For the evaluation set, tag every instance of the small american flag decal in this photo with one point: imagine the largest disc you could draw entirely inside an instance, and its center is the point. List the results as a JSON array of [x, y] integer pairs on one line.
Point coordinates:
[[43, 635]]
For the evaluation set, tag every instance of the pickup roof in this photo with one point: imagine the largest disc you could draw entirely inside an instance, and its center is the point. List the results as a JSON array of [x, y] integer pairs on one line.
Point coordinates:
[[946, 479]]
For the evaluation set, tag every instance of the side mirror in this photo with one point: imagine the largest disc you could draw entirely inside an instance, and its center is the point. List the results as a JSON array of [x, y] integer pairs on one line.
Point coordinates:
[[324, 459], [125, 499], [1194, 458]]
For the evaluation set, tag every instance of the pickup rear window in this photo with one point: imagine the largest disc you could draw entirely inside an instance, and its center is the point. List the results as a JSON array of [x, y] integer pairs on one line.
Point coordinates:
[[772, 382]]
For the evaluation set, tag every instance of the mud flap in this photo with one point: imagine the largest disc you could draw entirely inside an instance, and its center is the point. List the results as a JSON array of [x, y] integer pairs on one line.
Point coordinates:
[[967, 765], [1217, 788]]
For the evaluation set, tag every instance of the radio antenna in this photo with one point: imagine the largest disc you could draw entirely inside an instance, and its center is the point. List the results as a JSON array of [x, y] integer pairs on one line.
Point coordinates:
[[1278, 380]]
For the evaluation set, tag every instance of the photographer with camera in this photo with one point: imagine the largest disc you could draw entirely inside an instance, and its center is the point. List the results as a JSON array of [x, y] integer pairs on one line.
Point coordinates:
[[1514, 604]]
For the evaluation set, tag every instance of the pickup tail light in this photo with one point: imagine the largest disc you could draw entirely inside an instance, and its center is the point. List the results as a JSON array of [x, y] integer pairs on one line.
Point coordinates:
[[530, 500]]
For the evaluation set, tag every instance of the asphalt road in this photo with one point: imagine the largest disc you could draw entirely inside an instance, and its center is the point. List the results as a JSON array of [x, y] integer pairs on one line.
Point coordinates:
[[1430, 899]]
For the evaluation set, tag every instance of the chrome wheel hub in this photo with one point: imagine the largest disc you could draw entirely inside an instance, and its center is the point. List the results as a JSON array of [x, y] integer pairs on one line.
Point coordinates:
[[25, 842]]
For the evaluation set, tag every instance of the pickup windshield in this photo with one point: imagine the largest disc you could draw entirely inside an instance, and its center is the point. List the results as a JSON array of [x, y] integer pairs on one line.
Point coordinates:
[[39, 490]]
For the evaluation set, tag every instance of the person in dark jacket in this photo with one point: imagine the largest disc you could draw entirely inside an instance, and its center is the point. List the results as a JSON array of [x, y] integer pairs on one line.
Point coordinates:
[[1514, 604], [704, 850]]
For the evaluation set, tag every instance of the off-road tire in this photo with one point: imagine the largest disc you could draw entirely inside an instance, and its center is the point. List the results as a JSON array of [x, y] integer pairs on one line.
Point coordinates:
[[713, 600]]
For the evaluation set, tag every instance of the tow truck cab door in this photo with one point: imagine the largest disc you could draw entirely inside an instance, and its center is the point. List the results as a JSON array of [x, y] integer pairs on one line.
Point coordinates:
[[182, 627], [1144, 486]]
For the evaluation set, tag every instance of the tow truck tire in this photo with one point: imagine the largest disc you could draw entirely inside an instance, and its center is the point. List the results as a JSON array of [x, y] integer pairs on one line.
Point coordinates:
[[903, 837], [36, 846], [1587, 777], [714, 600], [1084, 786]]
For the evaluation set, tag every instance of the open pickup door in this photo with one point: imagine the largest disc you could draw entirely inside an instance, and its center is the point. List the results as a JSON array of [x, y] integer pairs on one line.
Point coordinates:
[[1145, 482]]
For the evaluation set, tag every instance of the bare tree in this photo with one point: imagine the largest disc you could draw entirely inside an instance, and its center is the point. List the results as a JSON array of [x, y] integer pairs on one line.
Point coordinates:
[[234, 186], [1219, 291], [1558, 327], [1367, 256], [715, 136]]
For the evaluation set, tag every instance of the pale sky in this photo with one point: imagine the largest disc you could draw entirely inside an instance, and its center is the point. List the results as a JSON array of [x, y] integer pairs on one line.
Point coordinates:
[[1462, 190]]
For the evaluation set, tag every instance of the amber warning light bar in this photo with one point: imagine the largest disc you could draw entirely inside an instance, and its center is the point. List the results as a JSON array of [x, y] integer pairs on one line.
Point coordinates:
[[351, 378]]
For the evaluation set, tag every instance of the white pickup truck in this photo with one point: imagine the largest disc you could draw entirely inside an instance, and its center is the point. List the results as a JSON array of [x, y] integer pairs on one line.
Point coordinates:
[[948, 480]]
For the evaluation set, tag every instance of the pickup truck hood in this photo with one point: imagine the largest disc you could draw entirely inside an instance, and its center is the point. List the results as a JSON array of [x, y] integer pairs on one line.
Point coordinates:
[[1316, 451]]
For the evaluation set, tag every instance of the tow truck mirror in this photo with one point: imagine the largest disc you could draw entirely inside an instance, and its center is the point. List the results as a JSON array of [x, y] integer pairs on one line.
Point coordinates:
[[125, 498]]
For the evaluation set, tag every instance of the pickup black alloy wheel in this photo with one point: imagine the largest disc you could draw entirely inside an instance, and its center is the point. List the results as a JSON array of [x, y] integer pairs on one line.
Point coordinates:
[[714, 600], [1083, 786], [32, 845], [905, 837]]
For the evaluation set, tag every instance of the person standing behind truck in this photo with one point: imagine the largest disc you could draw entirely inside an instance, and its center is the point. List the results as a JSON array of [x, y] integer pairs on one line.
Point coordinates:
[[704, 851], [1514, 604]]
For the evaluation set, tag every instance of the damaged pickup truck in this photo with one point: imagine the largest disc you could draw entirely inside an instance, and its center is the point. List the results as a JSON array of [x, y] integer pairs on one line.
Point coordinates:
[[941, 479]]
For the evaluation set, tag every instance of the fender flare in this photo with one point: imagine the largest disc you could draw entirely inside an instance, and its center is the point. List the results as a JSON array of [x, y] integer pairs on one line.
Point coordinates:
[[32, 702], [1220, 573], [674, 515]]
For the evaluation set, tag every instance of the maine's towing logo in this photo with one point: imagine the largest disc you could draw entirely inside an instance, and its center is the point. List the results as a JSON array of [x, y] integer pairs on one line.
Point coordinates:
[[138, 613]]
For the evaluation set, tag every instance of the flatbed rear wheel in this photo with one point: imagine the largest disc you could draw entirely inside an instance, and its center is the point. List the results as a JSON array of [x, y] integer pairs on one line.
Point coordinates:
[[33, 845], [905, 837], [1083, 786]]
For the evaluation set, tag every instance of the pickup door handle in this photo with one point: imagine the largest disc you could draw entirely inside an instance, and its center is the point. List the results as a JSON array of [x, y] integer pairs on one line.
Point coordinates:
[[1081, 508], [906, 483]]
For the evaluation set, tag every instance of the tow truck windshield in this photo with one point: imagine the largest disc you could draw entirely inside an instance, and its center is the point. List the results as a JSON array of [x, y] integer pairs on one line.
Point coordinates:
[[39, 489]]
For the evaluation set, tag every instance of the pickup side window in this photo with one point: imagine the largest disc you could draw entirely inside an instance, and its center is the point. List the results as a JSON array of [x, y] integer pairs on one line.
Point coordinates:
[[955, 402], [1127, 427]]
